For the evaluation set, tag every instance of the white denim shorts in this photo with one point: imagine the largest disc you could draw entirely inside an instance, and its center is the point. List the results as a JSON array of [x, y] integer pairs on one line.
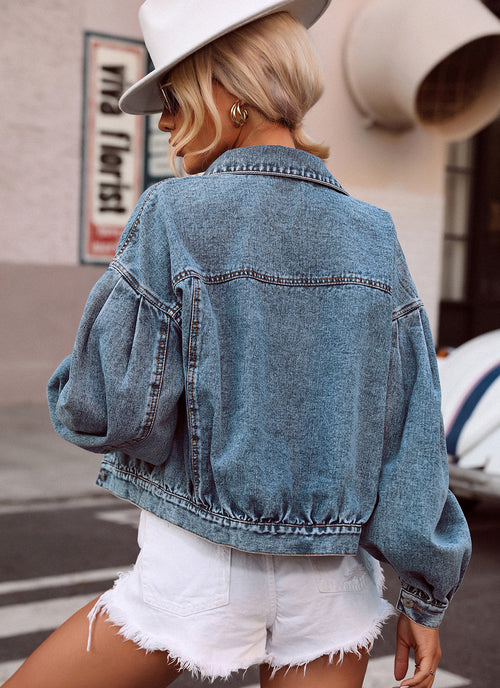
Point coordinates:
[[215, 609]]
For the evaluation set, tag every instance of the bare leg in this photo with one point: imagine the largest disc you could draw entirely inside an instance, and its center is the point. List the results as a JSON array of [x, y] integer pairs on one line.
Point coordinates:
[[62, 661], [319, 674]]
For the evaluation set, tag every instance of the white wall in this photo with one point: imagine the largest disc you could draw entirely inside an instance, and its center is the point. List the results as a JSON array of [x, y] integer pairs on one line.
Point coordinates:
[[41, 73], [41, 77]]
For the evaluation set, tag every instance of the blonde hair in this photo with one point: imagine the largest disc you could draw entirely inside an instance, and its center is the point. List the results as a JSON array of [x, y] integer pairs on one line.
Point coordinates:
[[268, 64]]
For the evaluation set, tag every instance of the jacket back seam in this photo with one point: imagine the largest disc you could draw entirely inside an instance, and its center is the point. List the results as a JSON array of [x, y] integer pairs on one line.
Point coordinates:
[[190, 385], [281, 281], [156, 387]]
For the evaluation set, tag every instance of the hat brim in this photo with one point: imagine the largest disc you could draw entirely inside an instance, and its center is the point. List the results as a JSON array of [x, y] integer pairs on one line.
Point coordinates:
[[143, 98]]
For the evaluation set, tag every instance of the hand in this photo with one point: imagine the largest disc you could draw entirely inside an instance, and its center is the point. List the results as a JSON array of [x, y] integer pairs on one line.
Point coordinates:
[[425, 643]]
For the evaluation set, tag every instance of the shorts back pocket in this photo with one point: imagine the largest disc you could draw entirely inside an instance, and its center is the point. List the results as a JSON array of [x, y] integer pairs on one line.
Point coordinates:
[[181, 573], [337, 574]]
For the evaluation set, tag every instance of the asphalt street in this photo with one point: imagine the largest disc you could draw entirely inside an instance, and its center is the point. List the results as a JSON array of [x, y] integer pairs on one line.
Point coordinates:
[[64, 540]]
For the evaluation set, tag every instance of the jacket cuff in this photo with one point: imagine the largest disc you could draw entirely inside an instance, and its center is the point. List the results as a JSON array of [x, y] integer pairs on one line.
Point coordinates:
[[419, 607]]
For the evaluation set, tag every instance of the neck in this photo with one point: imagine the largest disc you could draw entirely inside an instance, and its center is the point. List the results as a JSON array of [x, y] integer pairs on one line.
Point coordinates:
[[258, 131]]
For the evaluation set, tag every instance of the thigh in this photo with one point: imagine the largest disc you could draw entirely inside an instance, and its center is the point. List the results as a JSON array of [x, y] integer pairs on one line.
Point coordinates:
[[320, 673], [62, 661]]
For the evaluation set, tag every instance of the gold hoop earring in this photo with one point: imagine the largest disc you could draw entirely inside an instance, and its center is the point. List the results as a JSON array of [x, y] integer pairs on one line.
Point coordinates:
[[239, 114]]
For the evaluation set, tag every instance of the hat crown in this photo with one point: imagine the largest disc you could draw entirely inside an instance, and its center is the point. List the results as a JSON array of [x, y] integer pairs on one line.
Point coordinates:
[[174, 29], [169, 30]]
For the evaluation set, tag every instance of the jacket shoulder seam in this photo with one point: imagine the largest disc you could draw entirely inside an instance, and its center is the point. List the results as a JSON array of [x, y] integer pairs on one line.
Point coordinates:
[[407, 309], [133, 229], [173, 312]]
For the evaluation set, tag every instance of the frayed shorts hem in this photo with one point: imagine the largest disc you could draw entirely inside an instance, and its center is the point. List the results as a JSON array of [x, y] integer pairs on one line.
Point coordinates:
[[184, 662], [337, 653], [174, 655]]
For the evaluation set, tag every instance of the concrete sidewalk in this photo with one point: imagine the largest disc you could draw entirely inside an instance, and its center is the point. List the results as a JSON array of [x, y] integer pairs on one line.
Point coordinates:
[[37, 465]]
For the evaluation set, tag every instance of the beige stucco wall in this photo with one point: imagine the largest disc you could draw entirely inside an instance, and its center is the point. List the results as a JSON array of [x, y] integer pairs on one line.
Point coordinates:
[[41, 70]]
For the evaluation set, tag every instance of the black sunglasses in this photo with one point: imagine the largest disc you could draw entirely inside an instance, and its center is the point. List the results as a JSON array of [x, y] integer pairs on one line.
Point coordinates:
[[170, 102]]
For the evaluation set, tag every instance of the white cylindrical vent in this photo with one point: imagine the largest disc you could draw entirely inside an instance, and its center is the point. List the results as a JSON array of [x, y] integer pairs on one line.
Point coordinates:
[[433, 63]]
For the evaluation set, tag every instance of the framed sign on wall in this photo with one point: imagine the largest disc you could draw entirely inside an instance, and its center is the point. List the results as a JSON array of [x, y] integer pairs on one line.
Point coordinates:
[[113, 144]]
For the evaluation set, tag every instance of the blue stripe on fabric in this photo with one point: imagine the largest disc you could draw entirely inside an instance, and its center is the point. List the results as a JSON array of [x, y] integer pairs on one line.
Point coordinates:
[[467, 409]]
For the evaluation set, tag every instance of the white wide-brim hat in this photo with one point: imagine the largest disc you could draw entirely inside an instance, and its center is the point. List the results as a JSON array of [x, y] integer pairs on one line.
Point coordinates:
[[174, 29]]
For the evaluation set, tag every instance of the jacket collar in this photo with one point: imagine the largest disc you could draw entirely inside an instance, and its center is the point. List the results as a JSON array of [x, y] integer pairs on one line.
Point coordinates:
[[278, 161]]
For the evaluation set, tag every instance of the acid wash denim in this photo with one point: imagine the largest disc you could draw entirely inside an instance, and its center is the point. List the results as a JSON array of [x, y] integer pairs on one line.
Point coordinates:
[[258, 369]]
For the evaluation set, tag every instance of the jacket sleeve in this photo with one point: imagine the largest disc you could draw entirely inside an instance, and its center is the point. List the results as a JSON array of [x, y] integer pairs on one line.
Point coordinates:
[[120, 388], [417, 525]]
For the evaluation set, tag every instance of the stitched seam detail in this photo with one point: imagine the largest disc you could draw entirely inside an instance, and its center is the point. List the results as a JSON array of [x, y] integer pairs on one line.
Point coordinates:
[[192, 355], [201, 507], [288, 175], [407, 309], [133, 229], [408, 589], [281, 281], [174, 313], [156, 387], [272, 607]]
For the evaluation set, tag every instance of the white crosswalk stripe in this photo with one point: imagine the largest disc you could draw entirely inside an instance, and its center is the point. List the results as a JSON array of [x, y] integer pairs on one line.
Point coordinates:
[[127, 517], [61, 580], [8, 668], [31, 617]]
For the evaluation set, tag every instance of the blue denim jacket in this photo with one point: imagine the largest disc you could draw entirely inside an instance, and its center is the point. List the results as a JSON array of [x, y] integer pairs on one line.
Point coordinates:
[[258, 368]]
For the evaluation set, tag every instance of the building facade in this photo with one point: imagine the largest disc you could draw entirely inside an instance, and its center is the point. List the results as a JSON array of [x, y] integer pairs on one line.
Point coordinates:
[[45, 275]]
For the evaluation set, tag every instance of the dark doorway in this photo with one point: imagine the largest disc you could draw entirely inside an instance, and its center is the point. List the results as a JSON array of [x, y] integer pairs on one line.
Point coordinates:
[[476, 306]]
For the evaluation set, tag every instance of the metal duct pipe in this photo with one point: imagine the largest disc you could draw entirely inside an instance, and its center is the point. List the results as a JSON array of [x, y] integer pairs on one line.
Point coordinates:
[[432, 63]]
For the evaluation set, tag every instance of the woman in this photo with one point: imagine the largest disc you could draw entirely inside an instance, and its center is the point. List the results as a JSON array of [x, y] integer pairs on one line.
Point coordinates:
[[259, 371]]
